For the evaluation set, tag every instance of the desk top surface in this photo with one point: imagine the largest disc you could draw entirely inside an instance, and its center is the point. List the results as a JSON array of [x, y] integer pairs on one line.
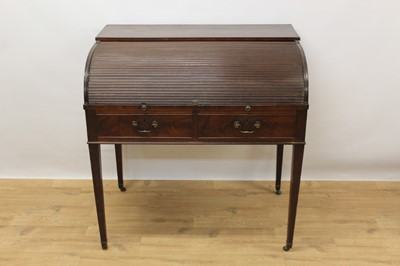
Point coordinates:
[[276, 32]]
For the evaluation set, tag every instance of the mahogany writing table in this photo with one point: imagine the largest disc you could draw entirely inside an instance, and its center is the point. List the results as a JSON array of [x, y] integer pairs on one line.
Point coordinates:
[[196, 84]]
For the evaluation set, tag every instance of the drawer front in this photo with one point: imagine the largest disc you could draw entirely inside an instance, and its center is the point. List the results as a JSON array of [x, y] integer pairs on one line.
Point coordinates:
[[145, 126], [245, 126]]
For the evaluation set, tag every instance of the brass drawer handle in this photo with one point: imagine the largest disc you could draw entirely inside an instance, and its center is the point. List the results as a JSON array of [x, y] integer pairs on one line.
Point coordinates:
[[135, 124], [237, 125]]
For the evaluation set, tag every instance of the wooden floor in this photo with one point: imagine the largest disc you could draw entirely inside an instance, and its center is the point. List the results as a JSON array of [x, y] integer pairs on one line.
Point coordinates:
[[53, 222]]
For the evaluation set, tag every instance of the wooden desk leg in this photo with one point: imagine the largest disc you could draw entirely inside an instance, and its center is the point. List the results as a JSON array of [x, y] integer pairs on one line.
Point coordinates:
[[279, 158], [95, 161], [297, 161], [118, 157]]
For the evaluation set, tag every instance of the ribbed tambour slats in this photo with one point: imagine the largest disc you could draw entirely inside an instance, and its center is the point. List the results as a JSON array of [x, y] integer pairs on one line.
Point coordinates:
[[211, 73]]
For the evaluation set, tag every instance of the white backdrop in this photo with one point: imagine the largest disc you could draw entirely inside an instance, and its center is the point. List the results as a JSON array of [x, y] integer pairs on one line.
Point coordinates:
[[353, 55]]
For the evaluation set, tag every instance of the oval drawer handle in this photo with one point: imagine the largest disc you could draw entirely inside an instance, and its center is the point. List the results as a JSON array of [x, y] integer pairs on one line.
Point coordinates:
[[237, 125], [135, 124]]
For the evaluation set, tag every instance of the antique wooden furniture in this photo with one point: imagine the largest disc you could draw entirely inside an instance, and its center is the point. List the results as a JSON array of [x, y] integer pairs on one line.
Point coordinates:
[[196, 84]]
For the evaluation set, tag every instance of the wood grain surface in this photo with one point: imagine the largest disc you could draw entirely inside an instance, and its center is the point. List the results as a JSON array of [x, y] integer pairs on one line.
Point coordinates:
[[198, 32], [53, 222]]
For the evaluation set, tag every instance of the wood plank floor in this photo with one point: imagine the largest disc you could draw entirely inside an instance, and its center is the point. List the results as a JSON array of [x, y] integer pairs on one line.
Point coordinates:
[[53, 222]]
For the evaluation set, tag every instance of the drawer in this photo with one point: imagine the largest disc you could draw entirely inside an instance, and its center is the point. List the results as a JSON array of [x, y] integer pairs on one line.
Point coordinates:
[[245, 126], [143, 126]]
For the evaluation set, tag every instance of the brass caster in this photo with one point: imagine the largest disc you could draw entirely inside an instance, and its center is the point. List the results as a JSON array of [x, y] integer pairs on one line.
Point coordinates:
[[287, 247]]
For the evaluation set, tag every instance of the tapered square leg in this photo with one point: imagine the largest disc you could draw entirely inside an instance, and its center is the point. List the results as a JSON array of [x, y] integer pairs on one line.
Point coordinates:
[[279, 159], [297, 162], [118, 157], [95, 162]]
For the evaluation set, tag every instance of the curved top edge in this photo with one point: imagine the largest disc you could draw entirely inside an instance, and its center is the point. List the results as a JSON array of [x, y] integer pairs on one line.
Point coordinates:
[[87, 69], [250, 32], [305, 72]]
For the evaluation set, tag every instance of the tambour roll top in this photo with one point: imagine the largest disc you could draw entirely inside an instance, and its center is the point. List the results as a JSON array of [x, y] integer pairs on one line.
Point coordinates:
[[197, 64]]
